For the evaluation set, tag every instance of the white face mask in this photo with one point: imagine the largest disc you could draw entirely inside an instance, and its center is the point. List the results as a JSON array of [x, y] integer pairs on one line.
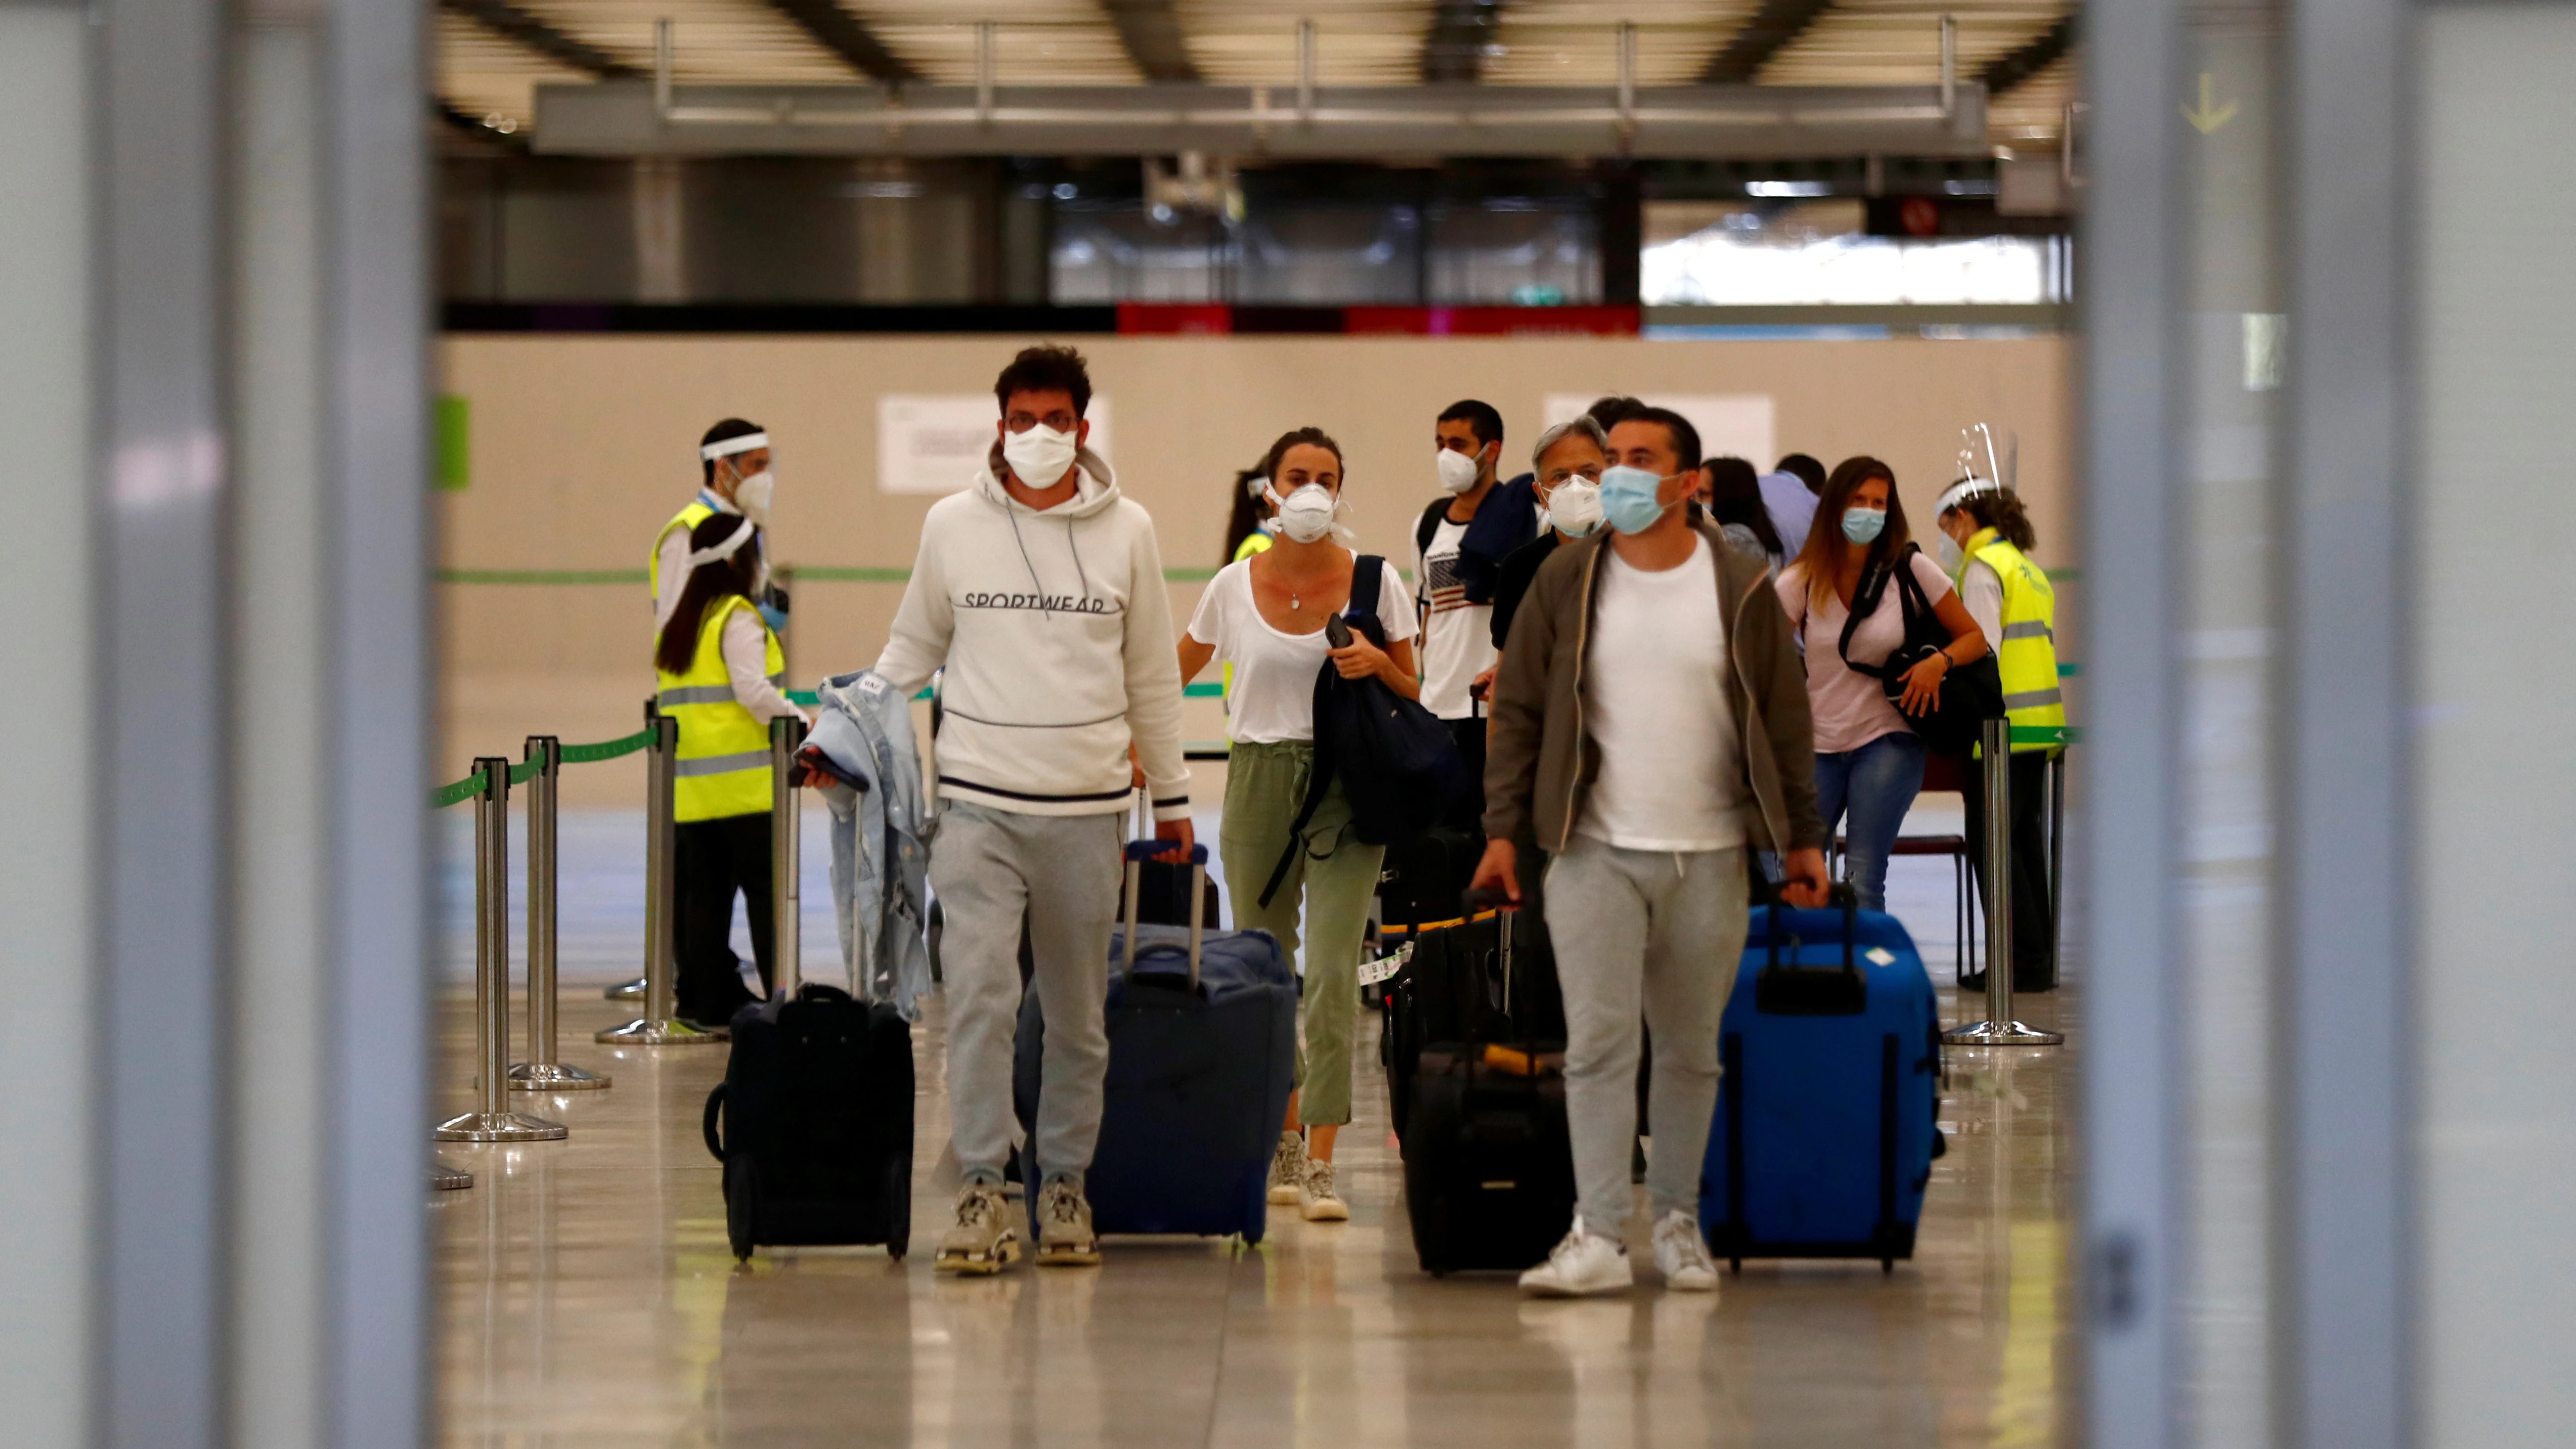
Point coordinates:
[[1306, 514], [1040, 455], [1575, 507], [1458, 470], [752, 495], [1947, 549]]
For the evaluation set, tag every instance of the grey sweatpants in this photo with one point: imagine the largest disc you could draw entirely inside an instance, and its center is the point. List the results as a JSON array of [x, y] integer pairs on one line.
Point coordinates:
[[1663, 931], [987, 868]]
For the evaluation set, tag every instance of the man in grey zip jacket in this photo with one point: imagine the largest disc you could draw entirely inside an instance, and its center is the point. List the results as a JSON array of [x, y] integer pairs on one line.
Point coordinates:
[[1650, 726], [1040, 591]]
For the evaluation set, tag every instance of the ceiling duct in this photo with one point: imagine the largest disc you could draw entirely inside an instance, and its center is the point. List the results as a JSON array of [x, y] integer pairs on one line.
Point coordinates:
[[627, 118]]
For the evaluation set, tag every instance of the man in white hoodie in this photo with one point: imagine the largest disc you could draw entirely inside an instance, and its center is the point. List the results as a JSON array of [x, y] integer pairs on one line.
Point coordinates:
[[1040, 590]]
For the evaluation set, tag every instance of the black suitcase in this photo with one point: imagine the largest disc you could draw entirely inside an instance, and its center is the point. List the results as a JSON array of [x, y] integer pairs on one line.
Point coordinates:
[[1491, 979], [1425, 878], [1488, 1162], [813, 1123]]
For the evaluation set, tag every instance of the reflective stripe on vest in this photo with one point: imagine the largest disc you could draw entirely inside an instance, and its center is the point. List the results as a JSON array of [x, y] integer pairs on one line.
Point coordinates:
[[2027, 655], [723, 766]]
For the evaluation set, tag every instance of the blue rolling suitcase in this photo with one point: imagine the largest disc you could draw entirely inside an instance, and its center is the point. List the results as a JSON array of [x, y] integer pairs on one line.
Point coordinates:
[[1825, 1128], [1202, 1051]]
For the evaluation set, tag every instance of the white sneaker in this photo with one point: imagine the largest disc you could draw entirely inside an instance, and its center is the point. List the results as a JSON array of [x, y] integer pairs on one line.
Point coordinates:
[[1585, 1263], [1287, 1168], [1681, 1255], [1320, 1203]]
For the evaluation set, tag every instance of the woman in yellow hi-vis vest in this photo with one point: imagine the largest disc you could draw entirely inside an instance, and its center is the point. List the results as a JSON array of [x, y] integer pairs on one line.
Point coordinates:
[[720, 673], [1986, 538]]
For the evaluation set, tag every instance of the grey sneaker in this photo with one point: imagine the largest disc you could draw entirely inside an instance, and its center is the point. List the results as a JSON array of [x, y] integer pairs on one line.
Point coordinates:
[[985, 1239], [1287, 1168], [1065, 1239], [1318, 1202]]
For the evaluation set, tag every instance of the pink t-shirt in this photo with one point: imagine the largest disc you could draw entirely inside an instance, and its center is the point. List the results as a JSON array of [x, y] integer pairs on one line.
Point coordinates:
[[1849, 706]]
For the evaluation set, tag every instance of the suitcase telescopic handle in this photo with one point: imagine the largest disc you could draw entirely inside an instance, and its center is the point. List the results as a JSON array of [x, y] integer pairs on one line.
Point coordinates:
[[1840, 894], [1477, 900], [1138, 852]]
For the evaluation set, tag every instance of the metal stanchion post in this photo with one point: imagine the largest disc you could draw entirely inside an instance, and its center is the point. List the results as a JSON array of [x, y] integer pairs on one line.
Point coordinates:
[[493, 1121], [659, 1026], [541, 1072], [1999, 1028], [786, 905]]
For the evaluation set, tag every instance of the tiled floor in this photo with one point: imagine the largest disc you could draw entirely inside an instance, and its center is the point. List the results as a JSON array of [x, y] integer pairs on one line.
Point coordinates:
[[587, 1297]]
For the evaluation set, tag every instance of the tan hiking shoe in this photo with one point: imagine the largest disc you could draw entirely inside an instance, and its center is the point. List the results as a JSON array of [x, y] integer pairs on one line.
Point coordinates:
[[985, 1239], [1317, 1200], [1288, 1169], [1065, 1239]]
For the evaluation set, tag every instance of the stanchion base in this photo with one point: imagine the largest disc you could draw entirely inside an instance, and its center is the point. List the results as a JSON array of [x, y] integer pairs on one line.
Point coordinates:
[[499, 1127], [443, 1178], [2010, 1033], [553, 1077], [626, 991], [659, 1033]]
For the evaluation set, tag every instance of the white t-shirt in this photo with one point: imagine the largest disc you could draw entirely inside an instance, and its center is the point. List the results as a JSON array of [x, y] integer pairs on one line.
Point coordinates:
[[1982, 590], [1274, 673], [1457, 636], [1656, 701], [1850, 708]]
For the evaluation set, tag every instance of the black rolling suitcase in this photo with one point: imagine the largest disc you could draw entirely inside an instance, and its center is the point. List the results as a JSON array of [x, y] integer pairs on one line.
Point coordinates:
[[813, 1123], [1479, 1082], [1488, 978]]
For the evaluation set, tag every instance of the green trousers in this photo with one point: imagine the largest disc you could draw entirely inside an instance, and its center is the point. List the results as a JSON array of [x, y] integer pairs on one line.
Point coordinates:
[[1333, 876]]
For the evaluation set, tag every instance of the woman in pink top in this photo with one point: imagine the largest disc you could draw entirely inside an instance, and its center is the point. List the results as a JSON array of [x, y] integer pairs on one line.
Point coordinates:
[[1869, 762]]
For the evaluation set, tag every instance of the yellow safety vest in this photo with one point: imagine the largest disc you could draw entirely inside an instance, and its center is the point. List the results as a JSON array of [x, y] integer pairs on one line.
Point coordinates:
[[687, 521], [724, 753], [2027, 654]]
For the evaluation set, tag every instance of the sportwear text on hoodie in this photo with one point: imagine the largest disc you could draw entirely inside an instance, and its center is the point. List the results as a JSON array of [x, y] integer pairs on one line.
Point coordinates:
[[1056, 633]]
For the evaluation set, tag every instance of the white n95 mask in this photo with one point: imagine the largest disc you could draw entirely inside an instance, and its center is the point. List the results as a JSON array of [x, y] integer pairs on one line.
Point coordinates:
[[1575, 507], [1040, 455], [1306, 514], [1457, 470], [752, 496]]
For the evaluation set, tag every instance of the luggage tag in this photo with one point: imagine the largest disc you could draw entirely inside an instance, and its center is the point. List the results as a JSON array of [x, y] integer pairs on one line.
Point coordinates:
[[1879, 956], [1386, 968]]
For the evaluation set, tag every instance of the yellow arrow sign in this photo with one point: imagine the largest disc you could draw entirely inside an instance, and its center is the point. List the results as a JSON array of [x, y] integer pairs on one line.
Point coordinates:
[[2209, 115]]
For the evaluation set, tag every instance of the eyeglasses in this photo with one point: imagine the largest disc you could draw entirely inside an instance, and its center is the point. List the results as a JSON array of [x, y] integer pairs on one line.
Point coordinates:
[[1059, 421]]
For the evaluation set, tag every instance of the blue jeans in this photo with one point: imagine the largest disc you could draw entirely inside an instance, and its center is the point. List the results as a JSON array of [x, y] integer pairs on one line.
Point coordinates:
[[1877, 784]]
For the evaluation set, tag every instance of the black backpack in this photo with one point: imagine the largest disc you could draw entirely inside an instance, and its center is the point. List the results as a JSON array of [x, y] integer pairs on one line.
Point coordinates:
[[1397, 762]]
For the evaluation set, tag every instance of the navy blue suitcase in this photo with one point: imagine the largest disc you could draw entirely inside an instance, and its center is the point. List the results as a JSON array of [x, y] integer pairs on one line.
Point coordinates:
[[1202, 1053], [1825, 1128]]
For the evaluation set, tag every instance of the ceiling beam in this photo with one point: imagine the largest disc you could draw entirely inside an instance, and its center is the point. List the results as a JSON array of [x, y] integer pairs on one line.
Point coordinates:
[[1152, 34], [1763, 35], [2044, 50], [841, 33], [1453, 49], [532, 33]]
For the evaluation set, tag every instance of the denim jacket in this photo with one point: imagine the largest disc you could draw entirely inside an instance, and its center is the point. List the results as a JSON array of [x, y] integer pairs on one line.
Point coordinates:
[[880, 839]]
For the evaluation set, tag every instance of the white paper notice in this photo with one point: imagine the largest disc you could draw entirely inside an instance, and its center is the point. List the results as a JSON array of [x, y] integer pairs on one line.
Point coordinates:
[[937, 442], [1730, 424]]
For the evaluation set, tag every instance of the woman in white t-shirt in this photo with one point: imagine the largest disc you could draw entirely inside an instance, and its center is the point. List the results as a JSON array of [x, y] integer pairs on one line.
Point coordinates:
[[1869, 762], [1264, 615]]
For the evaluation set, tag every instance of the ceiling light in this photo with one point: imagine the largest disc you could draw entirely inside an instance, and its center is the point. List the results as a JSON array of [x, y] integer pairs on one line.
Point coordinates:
[[1788, 188]]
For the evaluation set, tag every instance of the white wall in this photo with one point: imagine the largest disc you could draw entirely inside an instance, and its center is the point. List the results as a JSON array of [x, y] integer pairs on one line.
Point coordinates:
[[2495, 783]]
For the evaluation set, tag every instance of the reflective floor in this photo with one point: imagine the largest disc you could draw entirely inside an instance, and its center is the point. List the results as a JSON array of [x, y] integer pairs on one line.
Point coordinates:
[[587, 1297]]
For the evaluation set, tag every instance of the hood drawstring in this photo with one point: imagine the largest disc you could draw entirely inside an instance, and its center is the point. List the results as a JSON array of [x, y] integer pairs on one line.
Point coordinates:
[[1012, 513], [1075, 548]]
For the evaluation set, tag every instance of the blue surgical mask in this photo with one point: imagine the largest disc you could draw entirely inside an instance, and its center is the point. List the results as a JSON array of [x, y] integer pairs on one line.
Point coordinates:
[[1628, 501], [1864, 525]]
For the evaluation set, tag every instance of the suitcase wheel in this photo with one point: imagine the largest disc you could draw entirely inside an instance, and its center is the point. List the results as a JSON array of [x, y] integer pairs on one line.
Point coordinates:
[[1886, 1267]]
